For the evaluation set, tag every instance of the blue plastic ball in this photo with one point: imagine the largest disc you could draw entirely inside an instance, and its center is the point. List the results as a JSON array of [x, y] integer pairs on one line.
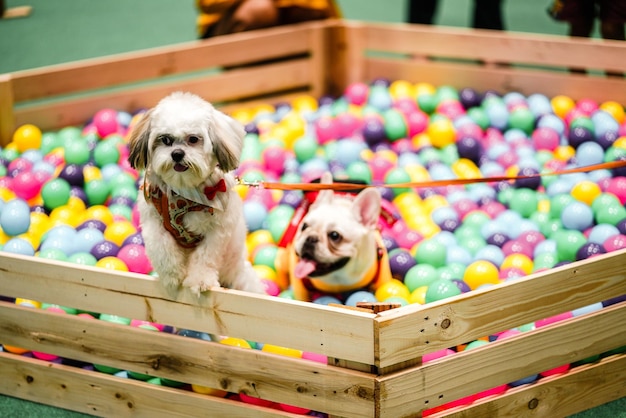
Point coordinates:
[[19, 246], [360, 296], [15, 217]]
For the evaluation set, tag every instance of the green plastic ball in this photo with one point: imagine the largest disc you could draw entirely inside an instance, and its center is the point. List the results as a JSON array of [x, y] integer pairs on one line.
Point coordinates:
[[398, 176], [277, 221], [558, 202], [265, 255], [359, 171], [76, 151], [431, 252], [395, 125], [610, 214], [427, 102], [479, 116], [106, 152], [50, 141], [82, 258], [97, 191], [420, 275], [568, 242], [305, 148], [524, 202], [441, 289], [55, 193], [523, 119]]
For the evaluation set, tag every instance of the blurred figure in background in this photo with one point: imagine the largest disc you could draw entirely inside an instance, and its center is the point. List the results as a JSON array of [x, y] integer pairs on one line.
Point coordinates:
[[221, 17], [487, 14], [581, 16]]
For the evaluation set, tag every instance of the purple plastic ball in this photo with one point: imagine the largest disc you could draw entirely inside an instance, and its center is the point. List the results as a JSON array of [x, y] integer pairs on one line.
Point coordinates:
[[389, 242], [589, 249], [381, 81], [498, 239], [450, 225], [73, 174], [251, 128], [374, 131], [469, 98], [579, 135], [121, 200], [135, 238], [104, 249], [463, 287], [292, 198], [79, 192], [92, 223], [470, 148], [400, 261], [606, 139], [528, 183], [613, 301]]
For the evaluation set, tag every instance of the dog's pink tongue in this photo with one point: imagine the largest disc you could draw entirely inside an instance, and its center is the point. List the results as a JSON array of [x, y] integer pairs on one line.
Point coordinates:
[[304, 268]]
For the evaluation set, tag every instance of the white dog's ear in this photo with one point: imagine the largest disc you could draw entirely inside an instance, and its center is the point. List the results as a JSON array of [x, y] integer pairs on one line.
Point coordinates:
[[227, 135], [138, 142], [325, 196], [366, 207]]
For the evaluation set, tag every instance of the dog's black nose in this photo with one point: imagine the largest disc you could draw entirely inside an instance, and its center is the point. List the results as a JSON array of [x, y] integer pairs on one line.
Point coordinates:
[[311, 240], [178, 155]]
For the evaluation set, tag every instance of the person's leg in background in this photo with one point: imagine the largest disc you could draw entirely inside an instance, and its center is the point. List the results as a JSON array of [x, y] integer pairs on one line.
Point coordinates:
[[488, 15], [422, 11]]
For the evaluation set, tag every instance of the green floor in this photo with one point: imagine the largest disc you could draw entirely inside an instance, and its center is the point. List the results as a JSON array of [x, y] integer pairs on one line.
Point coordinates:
[[67, 30]]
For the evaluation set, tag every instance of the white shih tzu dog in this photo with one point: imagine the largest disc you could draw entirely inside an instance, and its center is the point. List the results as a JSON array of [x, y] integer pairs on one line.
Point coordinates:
[[191, 218]]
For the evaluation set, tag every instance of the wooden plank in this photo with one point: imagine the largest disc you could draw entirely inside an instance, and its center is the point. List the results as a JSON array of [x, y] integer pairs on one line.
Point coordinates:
[[496, 46], [310, 327], [580, 389], [7, 118], [481, 78], [413, 330], [104, 395], [138, 66], [501, 362], [234, 86], [256, 373]]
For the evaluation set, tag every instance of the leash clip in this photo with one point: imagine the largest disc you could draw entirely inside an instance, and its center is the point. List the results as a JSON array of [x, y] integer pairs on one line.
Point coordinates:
[[256, 184]]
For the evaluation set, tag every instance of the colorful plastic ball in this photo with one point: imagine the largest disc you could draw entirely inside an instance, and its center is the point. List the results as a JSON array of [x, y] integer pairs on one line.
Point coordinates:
[[568, 242], [479, 273], [106, 122], [27, 137], [545, 138], [589, 153], [97, 191], [441, 289], [360, 296], [82, 258], [118, 231], [55, 193], [254, 214], [588, 250], [578, 216], [394, 287], [373, 130], [18, 246], [431, 252], [441, 133], [255, 401], [104, 249], [357, 93], [15, 217], [135, 258], [112, 263]]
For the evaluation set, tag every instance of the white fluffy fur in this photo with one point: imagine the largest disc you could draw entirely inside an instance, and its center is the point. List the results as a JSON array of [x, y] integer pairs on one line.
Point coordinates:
[[211, 144]]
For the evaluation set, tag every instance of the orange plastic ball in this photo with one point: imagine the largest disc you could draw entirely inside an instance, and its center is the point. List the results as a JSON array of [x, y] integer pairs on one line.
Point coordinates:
[[480, 273]]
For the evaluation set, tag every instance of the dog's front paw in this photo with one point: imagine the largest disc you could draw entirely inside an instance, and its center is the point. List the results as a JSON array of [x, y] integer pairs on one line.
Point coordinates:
[[201, 284]]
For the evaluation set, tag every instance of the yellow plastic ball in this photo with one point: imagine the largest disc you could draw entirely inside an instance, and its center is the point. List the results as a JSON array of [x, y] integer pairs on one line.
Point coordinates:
[[562, 104], [65, 215], [33, 240], [417, 173], [586, 191], [620, 142], [419, 295], [4, 238], [466, 169], [435, 201], [424, 88], [393, 287], [7, 194], [401, 89], [564, 152], [265, 272], [282, 351], [118, 231], [441, 133], [543, 206], [427, 229], [519, 261], [98, 213], [27, 137], [205, 390], [420, 140], [258, 238], [480, 273], [112, 263], [91, 172], [304, 103], [39, 224], [235, 342], [615, 109], [28, 303]]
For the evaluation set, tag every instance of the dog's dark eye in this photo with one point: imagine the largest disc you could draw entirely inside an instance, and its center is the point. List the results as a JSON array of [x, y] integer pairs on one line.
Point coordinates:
[[304, 226], [166, 139], [192, 139], [334, 236]]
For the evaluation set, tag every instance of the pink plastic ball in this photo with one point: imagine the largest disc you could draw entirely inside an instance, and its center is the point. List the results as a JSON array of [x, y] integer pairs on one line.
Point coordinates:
[[19, 165], [406, 105], [271, 287], [617, 186], [255, 401], [437, 355], [26, 185], [135, 258], [320, 358], [274, 159], [545, 138], [493, 208], [614, 243], [464, 206], [325, 129], [407, 238], [105, 121], [293, 409], [532, 238], [347, 124], [515, 246], [587, 106], [451, 109], [379, 167], [357, 93], [417, 122], [511, 273]]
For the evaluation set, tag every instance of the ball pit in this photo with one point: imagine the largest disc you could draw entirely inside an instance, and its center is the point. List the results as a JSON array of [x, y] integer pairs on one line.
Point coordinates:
[[464, 221]]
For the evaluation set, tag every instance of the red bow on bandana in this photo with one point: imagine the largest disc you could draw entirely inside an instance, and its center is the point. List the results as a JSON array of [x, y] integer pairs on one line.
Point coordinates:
[[211, 191]]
